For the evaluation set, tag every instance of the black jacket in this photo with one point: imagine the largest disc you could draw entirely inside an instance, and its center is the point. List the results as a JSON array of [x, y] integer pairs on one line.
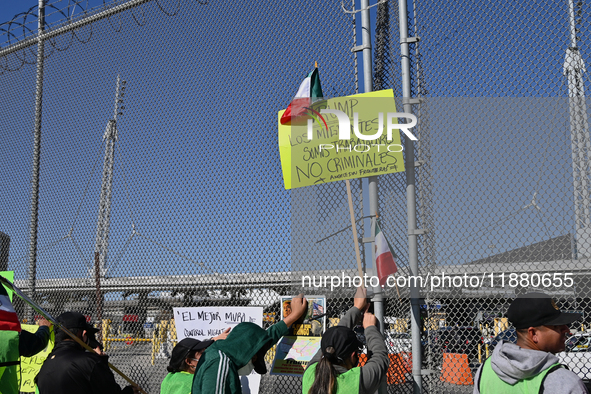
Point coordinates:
[[30, 344], [71, 369]]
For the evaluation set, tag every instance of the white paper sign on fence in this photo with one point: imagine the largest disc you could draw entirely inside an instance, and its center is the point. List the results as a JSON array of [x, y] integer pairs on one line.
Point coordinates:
[[207, 322]]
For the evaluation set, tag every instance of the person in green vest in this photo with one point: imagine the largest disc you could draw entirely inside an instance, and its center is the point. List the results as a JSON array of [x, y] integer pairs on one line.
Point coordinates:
[[334, 370], [223, 363], [183, 362], [530, 366], [15, 343]]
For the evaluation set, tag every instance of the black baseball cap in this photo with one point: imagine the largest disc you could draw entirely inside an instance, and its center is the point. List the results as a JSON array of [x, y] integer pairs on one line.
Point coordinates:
[[182, 350], [72, 320], [343, 340], [538, 309]]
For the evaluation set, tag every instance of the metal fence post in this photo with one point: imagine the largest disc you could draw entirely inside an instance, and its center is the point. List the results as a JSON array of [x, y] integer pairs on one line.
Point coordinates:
[[378, 299], [411, 203], [36, 158]]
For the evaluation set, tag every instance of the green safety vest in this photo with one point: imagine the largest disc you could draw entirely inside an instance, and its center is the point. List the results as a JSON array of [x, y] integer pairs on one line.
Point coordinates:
[[9, 362], [177, 383], [347, 383], [490, 383]]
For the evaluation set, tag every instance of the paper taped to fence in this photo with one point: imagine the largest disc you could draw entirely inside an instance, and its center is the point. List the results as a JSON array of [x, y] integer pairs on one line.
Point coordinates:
[[293, 354], [207, 322]]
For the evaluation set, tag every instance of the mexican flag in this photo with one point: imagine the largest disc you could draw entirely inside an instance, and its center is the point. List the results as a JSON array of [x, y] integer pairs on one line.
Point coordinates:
[[385, 258], [8, 318], [309, 92]]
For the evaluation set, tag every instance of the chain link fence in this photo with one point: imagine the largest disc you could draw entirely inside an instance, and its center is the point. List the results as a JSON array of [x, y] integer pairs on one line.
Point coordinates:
[[501, 174], [197, 212]]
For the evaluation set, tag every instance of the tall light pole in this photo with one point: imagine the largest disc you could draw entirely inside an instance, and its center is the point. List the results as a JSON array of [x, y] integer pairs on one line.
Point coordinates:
[[104, 213]]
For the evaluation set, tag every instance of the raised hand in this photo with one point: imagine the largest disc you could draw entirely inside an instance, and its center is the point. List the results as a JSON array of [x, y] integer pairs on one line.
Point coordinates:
[[223, 335], [44, 322], [299, 306], [369, 319], [360, 300]]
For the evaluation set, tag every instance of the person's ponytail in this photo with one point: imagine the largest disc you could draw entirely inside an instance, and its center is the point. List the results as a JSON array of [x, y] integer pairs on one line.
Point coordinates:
[[325, 379]]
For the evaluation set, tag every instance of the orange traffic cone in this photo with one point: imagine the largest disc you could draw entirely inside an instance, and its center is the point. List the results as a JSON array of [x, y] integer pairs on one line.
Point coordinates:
[[397, 369], [362, 360], [400, 365], [456, 369]]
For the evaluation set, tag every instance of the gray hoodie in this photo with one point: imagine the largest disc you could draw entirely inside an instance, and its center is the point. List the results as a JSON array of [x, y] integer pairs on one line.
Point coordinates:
[[513, 363]]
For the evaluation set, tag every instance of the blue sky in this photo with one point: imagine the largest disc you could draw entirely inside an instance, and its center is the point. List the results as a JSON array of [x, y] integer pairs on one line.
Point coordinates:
[[197, 170], [187, 172], [12, 7]]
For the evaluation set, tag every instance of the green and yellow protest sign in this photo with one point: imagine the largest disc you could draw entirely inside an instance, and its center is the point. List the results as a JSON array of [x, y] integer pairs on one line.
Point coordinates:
[[343, 138], [30, 366]]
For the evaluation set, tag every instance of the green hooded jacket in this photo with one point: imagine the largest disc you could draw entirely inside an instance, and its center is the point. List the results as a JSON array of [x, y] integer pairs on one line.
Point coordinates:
[[217, 371]]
